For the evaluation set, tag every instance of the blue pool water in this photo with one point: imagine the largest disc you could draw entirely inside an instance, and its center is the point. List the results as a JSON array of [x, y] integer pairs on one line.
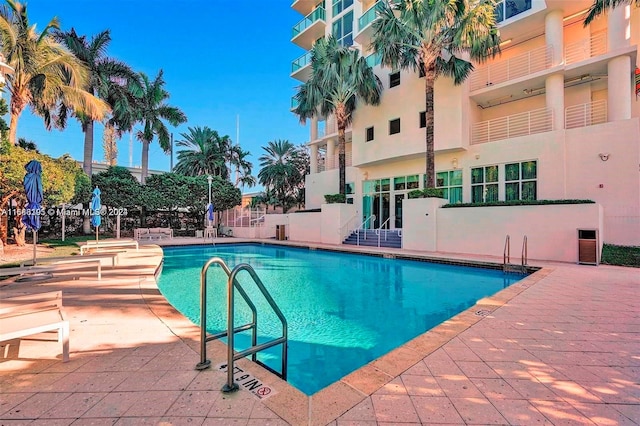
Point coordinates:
[[344, 310]]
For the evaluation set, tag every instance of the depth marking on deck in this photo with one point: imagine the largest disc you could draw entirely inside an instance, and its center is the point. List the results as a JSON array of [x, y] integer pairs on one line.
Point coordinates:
[[247, 381]]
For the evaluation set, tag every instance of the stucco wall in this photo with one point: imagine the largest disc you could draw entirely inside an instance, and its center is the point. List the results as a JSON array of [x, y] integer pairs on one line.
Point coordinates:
[[304, 227]]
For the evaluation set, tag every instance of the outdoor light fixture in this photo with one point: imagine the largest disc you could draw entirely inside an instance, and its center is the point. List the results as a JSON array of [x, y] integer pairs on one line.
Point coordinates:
[[604, 156], [454, 163]]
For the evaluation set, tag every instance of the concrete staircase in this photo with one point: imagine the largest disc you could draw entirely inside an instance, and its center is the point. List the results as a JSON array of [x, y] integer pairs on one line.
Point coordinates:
[[369, 238]]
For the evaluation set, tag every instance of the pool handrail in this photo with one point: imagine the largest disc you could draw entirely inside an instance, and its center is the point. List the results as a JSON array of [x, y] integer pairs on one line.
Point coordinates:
[[231, 385], [253, 325]]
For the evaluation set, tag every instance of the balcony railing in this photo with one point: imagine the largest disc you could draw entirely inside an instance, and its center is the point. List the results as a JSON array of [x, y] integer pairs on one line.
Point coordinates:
[[585, 49], [374, 59], [301, 62], [585, 114], [369, 15], [526, 123], [307, 21], [518, 66]]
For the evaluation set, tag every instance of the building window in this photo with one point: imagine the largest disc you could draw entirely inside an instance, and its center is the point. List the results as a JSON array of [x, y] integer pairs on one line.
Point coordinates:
[[451, 184], [340, 5], [350, 190], [369, 134], [511, 8], [484, 184], [394, 126], [521, 181], [394, 79], [342, 29], [423, 119]]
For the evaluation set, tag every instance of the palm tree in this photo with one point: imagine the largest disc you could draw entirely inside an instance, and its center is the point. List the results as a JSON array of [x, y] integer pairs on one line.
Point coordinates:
[[278, 170], [340, 78], [205, 153], [599, 7], [432, 37], [152, 109], [47, 77], [243, 167], [108, 79]]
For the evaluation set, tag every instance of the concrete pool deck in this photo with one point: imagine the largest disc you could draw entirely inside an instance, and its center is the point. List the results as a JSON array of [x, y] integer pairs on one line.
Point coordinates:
[[560, 347]]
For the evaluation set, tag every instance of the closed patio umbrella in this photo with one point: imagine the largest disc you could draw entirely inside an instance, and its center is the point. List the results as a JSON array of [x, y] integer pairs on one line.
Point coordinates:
[[96, 205], [210, 213], [33, 190]]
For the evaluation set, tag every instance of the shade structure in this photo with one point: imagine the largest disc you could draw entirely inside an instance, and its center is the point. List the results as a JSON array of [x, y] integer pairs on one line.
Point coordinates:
[[33, 190], [96, 205]]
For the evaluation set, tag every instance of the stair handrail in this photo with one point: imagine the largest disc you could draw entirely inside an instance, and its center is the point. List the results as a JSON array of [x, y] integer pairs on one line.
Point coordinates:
[[232, 283], [357, 230], [506, 255], [204, 362], [379, 228], [348, 225], [524, 255]]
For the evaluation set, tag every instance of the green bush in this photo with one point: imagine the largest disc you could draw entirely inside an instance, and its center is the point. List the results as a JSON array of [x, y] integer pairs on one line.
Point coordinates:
[[621, 255], [520, 203], [335, 198], [425, 193]]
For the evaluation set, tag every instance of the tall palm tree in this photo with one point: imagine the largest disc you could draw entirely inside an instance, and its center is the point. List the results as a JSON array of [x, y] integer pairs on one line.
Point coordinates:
[[340, 79], [243, 167], [433, 37], [47, 76], [108, 79], [152, 109], [205, 153], [600, 7], [279, 170]]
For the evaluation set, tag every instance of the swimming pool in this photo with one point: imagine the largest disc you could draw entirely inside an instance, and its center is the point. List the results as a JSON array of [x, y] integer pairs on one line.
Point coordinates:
[[343, 310]]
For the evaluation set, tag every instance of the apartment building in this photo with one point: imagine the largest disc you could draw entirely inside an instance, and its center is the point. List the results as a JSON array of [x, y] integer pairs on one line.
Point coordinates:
[[555, 116]]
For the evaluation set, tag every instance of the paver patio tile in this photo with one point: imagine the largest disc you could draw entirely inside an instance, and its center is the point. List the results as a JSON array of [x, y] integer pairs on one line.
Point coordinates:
[[34, 407], [90, 382], [361, 423], [478, 411], [603, 414], [532, 389], [152, 403], [519, 412], [101, 363], [140, 381], [259, 411], [394, 408], [571, 391], [461, 352], [496, 388], [458, 387], [267, 422], [10, 400], [433, 410], [40, 382], [422, 385], [394, 387], [631, 411], [95, 422], [222, 421], [363, 412], [176, 380], [52, 422], [182, 421], [510, 370], [560, 413], [420, 369], [193, 403], [74, 406], [234, 405], [474, 369], [441, 364], [115, 404], [135, 421]]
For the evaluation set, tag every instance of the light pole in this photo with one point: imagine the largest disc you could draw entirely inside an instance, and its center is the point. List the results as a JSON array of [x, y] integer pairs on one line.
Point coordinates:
[[209, 179]]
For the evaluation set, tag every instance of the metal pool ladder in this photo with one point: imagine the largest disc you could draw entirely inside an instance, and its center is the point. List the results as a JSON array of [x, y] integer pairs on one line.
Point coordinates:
[[232, 283], [507, 266]]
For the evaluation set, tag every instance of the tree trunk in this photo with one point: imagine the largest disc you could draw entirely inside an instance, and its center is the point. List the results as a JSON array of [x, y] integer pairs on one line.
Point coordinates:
[[13, 126], [87, 161], [341, 120], [145, 161], [429, 81]]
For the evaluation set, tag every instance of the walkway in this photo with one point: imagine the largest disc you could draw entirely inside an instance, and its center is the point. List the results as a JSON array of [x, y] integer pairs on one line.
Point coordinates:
[[560, 347]]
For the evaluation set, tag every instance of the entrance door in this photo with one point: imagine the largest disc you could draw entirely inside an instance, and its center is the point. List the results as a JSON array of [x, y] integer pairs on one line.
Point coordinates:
[[398, 210]]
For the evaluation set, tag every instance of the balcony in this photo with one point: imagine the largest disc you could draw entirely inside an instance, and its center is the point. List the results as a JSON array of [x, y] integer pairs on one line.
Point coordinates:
[[585, 49], [309, 29], [301, 67], [584, 115], [374, 59], [304, 7], [325, 163], [509, 69], [512, 126], [365, 29]]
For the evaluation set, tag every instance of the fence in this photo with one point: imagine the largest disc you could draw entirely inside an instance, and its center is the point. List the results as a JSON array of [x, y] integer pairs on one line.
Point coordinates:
[[526, 123], [586, 114], [243, 217], [585, 49], [507, 69]]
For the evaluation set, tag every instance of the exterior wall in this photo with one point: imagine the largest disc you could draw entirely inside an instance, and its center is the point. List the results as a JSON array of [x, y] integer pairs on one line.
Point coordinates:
[[319, 184], [333, 219], [304, 227], [551, 229]]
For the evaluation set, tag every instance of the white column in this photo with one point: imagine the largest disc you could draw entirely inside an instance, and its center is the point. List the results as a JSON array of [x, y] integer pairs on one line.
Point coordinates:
[[314, 159], [314, 130], [554, 35], [554, 97], [329, 163], [618, 27], [620, 89]]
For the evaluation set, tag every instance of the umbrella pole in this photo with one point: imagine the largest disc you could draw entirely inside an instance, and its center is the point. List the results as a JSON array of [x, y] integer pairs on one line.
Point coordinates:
[[35, 235], [96, 234]]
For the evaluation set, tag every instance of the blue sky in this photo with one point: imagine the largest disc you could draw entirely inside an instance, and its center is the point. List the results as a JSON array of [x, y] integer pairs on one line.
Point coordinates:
[[221, 59]]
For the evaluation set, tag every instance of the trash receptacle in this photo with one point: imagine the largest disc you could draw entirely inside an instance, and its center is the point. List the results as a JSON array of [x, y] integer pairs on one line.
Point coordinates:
[[280, 232], [588, 247]]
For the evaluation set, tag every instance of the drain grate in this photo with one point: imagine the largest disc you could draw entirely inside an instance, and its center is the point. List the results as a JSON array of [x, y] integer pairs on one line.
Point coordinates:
[[483, 312]]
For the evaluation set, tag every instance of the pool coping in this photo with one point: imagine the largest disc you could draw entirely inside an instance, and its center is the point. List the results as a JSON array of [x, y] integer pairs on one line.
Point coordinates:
[[329, 403]]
